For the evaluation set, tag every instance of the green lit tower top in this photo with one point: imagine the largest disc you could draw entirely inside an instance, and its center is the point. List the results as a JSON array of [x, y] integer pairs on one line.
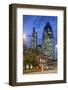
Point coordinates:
[[34, 39], [48, 41]]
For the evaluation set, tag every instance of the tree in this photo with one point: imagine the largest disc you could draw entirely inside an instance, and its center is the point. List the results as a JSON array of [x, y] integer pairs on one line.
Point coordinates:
[[30, 58]]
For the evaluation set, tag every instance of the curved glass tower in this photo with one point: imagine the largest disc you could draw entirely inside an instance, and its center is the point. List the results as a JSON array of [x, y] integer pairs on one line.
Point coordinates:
[[48, 41]]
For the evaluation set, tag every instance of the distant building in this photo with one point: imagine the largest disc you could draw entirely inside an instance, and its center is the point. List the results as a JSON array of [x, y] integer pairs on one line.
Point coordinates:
[[48, 41], [34, 39], [39, 48], [42, 60]]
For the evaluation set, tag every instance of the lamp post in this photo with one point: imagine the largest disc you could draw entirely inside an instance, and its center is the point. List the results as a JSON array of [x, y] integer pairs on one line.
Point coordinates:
[[24, 40], [41, 64], [24, 36]]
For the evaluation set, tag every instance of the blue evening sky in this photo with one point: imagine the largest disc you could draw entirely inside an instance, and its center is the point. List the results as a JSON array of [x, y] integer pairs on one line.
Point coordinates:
[[39, 22]]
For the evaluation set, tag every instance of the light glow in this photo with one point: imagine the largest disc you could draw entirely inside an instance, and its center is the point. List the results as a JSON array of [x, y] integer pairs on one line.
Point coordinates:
[[56, 46], [24, 36]]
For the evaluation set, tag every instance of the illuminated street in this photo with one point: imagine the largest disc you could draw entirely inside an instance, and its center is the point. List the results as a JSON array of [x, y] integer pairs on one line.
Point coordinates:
[[44, 72]]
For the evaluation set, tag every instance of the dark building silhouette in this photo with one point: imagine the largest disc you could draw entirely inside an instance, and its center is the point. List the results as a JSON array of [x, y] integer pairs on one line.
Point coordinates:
[[34, 39]]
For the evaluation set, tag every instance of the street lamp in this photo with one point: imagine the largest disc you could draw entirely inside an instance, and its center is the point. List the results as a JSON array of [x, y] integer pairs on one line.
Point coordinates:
[[24, 36], [24, 39]]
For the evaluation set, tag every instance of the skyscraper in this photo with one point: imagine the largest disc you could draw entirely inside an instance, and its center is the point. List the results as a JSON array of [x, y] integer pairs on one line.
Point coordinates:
[[34, 39], [48, 41]]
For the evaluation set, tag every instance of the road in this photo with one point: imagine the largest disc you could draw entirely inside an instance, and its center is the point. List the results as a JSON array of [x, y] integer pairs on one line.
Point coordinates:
[[44, 72]]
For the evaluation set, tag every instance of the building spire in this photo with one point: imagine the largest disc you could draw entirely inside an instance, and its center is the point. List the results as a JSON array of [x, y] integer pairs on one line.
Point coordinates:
[[34, 39]]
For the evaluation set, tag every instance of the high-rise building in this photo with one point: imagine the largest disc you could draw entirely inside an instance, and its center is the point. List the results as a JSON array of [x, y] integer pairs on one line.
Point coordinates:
[[48, 41], [34, 39]]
